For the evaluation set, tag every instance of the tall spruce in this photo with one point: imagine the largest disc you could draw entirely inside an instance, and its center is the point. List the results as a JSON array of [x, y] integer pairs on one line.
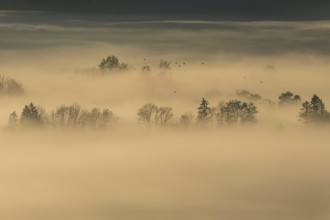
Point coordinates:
[[204, 111]]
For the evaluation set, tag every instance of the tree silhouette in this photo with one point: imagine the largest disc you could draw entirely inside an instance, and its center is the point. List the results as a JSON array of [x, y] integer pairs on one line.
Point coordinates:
[[248, 112], [186, 119], [288, 98], [146, 69], [163, 116], [151, 114], [146, 113], [75, 117], [9, 86], [235, 111], [13, 119], [248, 95], [204, 111], [66, 116], [314, 112], [31, 115], [164, 64], [112, 63]]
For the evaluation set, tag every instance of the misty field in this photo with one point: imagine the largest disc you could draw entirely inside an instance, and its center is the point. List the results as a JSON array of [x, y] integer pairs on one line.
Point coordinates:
[[118, 129]]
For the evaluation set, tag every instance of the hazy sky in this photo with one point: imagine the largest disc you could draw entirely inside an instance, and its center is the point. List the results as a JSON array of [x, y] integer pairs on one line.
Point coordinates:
[[221, 9]]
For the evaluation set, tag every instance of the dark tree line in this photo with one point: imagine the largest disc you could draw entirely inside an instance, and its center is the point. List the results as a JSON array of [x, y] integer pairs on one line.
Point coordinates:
[[232, 112], [63, 117], [227, 113]]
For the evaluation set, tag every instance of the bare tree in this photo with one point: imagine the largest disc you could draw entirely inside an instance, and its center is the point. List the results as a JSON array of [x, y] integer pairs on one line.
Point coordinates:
[[13, 120], [74, 116], [163, 116], [150, 114], [147, 113], [186, 119], [66, 116]]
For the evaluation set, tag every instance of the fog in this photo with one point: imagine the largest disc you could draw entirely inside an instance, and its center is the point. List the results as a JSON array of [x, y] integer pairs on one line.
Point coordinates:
[[274, 169]]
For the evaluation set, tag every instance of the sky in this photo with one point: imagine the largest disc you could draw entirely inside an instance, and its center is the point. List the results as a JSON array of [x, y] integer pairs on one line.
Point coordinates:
[[222, 9]]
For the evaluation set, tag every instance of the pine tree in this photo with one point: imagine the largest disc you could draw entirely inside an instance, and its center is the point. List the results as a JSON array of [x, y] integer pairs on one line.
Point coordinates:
[[30, 115], [204, 111]]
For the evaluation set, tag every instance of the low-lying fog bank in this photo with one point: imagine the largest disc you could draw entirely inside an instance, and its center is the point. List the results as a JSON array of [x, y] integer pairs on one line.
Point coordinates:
[[231, 174]]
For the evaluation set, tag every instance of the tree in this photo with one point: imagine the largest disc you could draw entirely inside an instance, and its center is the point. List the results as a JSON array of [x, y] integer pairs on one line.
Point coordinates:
[[66, 116], [9, 86], [150, 114], [314, 112], [96, 118], [146, 113], [146, 69], [13, 119], [112, 63], [288, 98], [164, 64], [204, 111], [248, 112], [235, 111], [247, 95], [31, 115], [186, 119], [163, 116], [74, 117]]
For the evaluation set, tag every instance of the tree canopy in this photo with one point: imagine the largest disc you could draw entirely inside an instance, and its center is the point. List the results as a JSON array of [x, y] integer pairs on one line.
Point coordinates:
[[112, 63], [288, 98], [314, 112]]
